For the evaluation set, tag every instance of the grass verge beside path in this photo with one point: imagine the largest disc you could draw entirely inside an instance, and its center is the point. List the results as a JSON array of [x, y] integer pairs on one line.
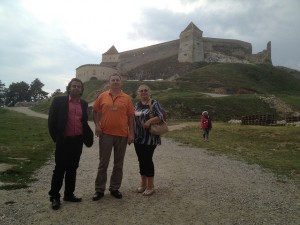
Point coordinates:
[[25, 144], [274, 148]]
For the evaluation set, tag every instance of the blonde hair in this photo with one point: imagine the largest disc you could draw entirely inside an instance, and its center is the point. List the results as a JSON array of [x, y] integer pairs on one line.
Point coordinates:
[[144, 86], [204, 113]]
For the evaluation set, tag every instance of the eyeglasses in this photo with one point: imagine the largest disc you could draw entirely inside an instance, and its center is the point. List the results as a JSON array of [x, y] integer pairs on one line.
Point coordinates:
[[145, 90]]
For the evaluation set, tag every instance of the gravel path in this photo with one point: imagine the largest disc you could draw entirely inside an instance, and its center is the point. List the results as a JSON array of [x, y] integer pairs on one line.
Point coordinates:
[[192, 187]]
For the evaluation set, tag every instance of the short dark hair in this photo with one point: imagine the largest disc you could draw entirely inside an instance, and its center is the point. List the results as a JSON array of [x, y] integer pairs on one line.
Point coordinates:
[[115, 74], [69, 85]]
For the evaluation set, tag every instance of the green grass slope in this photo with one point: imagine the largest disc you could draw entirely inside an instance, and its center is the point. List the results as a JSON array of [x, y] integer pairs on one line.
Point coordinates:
[[242, 79], [244, 84]]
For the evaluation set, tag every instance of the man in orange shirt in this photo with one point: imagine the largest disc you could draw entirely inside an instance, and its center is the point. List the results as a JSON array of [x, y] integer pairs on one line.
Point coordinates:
[[115, 130]]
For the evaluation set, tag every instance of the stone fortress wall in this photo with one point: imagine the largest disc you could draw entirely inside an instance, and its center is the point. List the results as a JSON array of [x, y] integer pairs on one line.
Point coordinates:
[[191, 47], [134, 58]]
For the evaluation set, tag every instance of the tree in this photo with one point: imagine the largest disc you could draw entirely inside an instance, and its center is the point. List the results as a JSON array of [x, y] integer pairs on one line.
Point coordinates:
[[17, 92], [36, 93], [57, 92], [2, 94]]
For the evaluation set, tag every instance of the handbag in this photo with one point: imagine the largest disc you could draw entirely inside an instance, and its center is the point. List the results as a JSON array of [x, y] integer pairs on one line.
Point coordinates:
[[88, 135], [158, 128]]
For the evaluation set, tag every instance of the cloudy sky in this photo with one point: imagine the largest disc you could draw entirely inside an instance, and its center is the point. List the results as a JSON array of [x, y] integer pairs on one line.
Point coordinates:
[[49, 39]]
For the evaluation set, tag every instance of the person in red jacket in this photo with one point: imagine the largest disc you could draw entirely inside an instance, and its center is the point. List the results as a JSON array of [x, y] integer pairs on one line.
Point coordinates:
[[206, 125]]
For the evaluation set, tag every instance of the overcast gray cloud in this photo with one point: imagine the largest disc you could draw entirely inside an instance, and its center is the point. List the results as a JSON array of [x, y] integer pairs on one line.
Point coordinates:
[[49, 45], [253, 21]]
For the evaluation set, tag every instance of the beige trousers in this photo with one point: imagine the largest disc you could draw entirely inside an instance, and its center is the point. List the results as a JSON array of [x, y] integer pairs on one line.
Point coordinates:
[[107, 143]]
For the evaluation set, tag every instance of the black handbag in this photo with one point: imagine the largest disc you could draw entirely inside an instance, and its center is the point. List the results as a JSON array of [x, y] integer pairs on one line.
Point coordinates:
[[88, 135]]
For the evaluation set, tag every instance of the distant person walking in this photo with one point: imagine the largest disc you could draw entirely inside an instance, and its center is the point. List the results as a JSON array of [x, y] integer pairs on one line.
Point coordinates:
[[68, 127], [206, 125], [115, 130]]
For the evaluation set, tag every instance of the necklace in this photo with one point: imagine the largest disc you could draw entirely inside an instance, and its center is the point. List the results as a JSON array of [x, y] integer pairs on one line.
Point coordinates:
[[145, 102], [113, 107]]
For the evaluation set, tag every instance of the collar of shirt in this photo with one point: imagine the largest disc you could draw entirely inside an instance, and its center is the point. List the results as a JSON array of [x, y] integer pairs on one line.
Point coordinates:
[[119, 94], [74, 100]]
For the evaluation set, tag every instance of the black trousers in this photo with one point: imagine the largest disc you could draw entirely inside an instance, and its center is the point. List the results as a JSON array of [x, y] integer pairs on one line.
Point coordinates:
[[67, 156], [145, 155]]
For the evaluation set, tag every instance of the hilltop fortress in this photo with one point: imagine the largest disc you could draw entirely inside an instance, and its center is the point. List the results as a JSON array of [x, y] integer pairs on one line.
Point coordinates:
[[189, 49]]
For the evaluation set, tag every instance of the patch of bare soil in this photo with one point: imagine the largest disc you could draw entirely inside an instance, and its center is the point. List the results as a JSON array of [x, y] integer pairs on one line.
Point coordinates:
[[5, 166], [180, 126]]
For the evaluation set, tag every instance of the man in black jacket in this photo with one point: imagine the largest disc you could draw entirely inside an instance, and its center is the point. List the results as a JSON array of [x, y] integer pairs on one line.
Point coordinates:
[[67, 124]]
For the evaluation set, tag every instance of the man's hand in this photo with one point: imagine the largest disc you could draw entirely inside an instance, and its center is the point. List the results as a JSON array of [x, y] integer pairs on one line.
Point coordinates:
[[98, 131], [130, 139]]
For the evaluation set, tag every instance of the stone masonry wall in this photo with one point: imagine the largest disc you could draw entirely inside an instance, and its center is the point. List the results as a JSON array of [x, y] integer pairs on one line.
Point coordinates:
[[261, 57], [89, 71], [133, 58], [228, 47]]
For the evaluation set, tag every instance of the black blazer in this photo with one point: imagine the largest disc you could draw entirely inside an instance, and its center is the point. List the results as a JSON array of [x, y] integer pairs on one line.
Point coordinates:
[[58, 116]]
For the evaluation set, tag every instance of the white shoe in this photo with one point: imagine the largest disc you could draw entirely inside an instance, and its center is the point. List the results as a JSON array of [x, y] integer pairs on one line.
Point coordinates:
[[148, 192], [140, 189]]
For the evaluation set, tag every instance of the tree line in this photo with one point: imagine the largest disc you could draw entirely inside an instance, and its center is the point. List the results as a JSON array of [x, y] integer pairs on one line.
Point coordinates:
[[23, 92]]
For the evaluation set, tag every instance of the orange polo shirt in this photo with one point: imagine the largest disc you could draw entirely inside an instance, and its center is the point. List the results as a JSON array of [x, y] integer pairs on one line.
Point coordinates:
[[114, 113]]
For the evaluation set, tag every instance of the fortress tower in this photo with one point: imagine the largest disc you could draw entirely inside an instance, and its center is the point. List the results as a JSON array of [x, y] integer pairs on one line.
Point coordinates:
[[191, 45], [112, 55]]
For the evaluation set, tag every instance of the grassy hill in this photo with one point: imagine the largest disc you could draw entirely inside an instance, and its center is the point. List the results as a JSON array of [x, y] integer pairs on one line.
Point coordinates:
[[250, 89]]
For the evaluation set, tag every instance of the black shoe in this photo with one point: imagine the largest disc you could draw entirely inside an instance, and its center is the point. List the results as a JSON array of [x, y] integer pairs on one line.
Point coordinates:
[[116, 194], [97, 196], [55, 203], [72, 198]]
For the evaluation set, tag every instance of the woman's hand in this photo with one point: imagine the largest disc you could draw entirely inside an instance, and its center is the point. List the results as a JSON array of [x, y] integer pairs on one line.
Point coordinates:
[[147, 124], [153, 120]]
